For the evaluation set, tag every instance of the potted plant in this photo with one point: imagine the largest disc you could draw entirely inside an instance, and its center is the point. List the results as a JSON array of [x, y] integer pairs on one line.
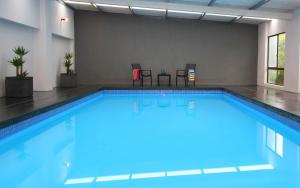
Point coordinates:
[[20, 85], [68, 79]]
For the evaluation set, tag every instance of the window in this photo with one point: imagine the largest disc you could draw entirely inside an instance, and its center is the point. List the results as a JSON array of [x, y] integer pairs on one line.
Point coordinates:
[[276, 59], [275, 142]]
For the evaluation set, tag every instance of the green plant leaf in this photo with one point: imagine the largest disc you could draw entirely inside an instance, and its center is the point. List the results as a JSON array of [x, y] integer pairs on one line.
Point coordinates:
[[20, 51], [68, 56], [68, 63], [23, 75], [17, 62]]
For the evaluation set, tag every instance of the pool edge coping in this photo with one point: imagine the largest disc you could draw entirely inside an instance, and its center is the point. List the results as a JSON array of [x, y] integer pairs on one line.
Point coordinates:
[[285, 114]]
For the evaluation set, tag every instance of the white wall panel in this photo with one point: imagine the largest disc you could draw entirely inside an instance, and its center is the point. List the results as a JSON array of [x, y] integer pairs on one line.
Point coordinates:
[[292, 66], [26, 12], [33, 24], [61, 28]]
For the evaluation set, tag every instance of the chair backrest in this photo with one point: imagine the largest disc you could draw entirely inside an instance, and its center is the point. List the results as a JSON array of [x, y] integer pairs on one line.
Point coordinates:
[[136, 66], [190, 66], [190, 71]]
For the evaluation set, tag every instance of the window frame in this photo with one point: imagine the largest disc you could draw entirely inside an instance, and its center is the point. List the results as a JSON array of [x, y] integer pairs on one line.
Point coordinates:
[[268, 58]]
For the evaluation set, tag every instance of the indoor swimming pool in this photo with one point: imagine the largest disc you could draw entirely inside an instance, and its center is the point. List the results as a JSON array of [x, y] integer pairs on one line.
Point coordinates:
[[152, 139]]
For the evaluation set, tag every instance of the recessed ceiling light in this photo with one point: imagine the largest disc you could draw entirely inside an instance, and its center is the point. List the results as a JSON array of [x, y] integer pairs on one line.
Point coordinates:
[[257, 18], [113, 178], [79, 181], [256, 167], [112, 6], [148, 175], [222, 15], [184, 172], [150, 9], [185, 12], [219, 170], [77, 2]]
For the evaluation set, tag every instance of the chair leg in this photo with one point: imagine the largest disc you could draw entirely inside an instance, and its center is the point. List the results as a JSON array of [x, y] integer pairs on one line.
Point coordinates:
[[151, 80], [176, 81], [142, 82]]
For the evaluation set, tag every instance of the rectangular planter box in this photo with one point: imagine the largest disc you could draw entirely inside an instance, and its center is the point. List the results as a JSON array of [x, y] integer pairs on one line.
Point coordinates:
[[18, 87], [67, 80]]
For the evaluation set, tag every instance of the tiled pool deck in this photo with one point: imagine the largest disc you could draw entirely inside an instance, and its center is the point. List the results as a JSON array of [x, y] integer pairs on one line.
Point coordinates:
[[15, 110]]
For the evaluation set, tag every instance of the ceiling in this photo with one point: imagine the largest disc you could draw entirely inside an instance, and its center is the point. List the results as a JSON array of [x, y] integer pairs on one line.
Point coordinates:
[[271, 5], [241, 11]]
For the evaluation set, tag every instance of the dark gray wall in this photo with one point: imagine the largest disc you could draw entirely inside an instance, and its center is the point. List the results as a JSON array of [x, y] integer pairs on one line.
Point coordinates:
[[107, 44]]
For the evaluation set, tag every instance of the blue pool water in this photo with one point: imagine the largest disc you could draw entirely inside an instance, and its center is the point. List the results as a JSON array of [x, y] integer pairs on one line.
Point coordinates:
[[153, 140]]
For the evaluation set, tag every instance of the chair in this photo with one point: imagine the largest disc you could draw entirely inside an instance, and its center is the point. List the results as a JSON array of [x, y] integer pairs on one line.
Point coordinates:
[[143, 74], [188, 74]]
